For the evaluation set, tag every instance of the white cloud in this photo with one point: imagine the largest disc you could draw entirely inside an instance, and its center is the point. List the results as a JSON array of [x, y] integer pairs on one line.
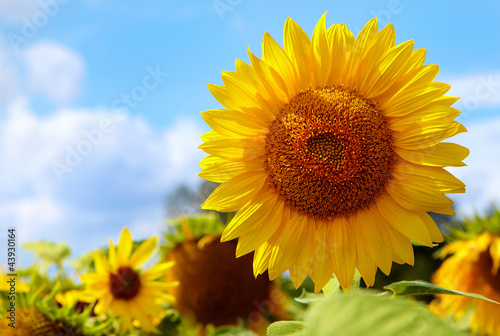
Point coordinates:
[[9, 81], [482, 174], [54, 71], [17, 9], [476, 90], [122, 179]]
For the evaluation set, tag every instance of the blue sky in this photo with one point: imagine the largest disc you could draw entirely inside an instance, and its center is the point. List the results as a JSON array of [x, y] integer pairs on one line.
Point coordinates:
[[66, 66]]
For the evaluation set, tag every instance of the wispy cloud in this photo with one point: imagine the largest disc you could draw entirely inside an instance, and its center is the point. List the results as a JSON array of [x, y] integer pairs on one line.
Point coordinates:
[[17, 9], [54, 71], [481, 175], [122, 178], [479, 90]]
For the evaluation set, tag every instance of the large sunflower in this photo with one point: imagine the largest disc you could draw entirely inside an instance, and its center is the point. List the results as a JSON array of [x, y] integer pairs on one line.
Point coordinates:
[[330, 150], [123, 289], [472, 267]]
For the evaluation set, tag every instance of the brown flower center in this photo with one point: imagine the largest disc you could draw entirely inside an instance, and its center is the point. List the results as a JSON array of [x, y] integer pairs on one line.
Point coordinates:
[[329, 152], [214, 286], [125, 283], [486, 268]]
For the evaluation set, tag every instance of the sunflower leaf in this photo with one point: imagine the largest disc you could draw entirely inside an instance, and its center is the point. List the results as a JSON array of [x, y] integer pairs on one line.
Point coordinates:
[[365, 312], [419, 287], [308, 298], [286, 328], [232, 331], [48, 251]]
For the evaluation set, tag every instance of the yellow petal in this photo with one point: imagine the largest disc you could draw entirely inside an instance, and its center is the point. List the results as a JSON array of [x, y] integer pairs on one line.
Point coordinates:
[[322, 60], [234, 123], [297, 47], [495, 255], [427, 134], [412, 98], [156, 271], [251, 240], [403, 220], [303, 265], [401, 246], [113, 260], [436, 235], [441, 155], [390, 67], [124, 247], [414, 79], [284, 242], [365, 265], [367, 66], [235, 148], [252, 216], [374, 238], [101, 264], [263, 226], [434, 177], [435, 113], [239, 91], [264, 91], [223, 96], [360, 47], [278, 59], [268, 73], [417, 197], [143, 252], [342, 250], [340, 42], [322, 265], [219, 170], [261, 258]]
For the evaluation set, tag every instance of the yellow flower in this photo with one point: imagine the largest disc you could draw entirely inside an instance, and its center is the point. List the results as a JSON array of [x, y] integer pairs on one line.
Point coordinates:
[[31, 322], [331, 152], [122, 288], [473, 268], [215, 288]]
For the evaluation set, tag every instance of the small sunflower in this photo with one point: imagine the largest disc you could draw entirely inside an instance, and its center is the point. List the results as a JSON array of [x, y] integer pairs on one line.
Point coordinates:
[[32, 322], [36, 313], [123, 289], [331, 151], [472, 267], [215, 288]]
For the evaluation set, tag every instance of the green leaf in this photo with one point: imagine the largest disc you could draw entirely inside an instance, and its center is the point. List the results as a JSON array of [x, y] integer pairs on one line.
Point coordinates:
[[48, 251], [232, 331], [285, 328], [332, 287], [419, 287], [308, 298], [365, 312]]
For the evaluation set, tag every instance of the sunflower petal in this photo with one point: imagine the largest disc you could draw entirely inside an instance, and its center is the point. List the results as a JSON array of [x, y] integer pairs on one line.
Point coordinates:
[[405, 221], [124, 247], [297, 47], [143, 252], [342, 250], [233, 194]]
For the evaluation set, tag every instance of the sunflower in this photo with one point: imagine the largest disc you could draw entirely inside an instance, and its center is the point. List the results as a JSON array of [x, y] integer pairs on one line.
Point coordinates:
[[472, 267], [31, 322], [122, 288], [215, 288], [331, 151]]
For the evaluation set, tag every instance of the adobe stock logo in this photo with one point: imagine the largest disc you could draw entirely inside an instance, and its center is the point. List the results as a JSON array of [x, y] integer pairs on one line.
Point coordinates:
[[31, 26], [223, 6]]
